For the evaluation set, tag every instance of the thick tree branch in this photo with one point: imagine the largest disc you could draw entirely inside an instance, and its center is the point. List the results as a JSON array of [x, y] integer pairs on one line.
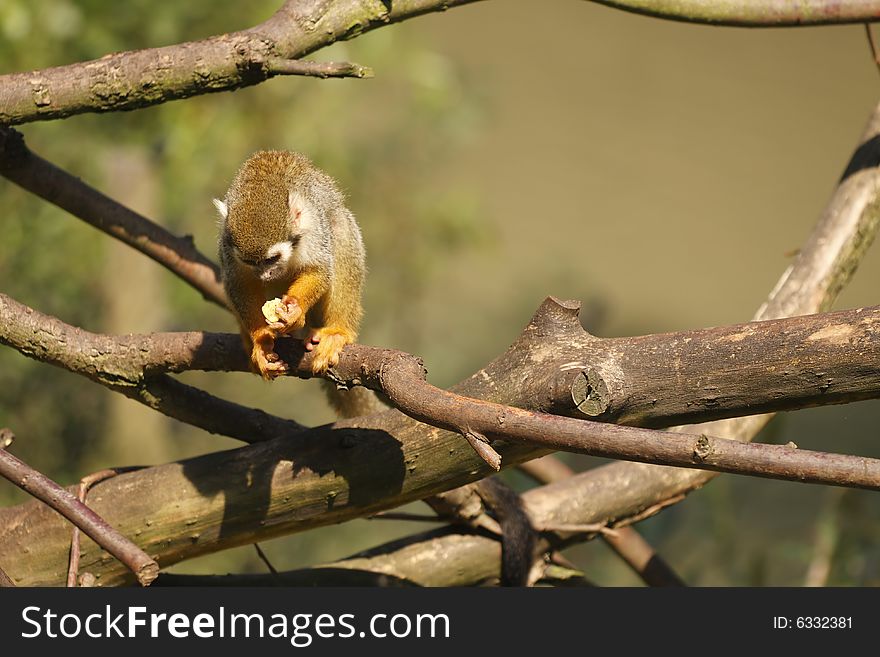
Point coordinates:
[[358, 467], [134, 366], [627, 542], [458, 556], [141, 78], [179, 255], [66, 504], [650, 381]]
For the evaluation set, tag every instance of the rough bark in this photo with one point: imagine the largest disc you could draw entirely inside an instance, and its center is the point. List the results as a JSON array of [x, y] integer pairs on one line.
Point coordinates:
[[141, 78], [649, 381]]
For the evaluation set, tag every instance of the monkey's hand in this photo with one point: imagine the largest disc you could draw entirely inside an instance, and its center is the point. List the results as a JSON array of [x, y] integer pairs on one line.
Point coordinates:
[[263, 357], [286, 316], [327, 343]]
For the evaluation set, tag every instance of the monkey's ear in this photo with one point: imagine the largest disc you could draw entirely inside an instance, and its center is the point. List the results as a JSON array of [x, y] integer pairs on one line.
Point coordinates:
[[296, 204], [221, 208]]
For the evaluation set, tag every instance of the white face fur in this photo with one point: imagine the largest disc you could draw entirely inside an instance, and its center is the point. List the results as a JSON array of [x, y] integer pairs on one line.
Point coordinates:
[[278, 256], [278, 261]]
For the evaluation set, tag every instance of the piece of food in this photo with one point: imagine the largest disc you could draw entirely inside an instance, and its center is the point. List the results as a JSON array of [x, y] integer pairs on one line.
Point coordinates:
[[271, 309]]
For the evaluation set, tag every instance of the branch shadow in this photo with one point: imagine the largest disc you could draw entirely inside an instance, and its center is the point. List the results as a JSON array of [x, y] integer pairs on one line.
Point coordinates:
[[247, 476]]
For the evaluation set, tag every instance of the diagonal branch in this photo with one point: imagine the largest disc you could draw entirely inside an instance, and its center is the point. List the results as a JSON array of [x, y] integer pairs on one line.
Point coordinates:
[[62, 501], [179, 255], [627, 542], [6, 580], [134, 366]]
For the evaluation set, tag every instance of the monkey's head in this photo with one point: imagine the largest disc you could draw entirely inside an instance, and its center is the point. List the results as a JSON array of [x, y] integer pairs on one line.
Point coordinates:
[[269, 208]]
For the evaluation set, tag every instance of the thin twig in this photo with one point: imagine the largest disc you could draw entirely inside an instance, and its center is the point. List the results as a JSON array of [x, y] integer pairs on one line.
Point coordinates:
[[64, 502], [281, 66], [82, 492], [546, 469], [754, 13], [564, 576], [579, 528], [411, 517], [483, 448], [6, 580], [873, 46], [265, 559]]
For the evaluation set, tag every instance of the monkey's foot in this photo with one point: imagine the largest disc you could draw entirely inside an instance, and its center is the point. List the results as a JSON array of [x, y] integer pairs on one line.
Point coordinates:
[[290, 315], [267, 362], [326, 343]]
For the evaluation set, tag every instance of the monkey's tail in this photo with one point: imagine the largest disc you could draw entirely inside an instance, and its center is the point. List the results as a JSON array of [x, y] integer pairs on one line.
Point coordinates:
[[517, 533], [518, 537]]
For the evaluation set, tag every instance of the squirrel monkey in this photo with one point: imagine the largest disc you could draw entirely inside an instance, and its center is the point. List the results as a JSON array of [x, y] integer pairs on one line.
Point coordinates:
[[285, 232]]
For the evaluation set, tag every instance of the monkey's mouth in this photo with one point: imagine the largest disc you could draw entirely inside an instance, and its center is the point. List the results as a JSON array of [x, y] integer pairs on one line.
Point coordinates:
[[272, 273]]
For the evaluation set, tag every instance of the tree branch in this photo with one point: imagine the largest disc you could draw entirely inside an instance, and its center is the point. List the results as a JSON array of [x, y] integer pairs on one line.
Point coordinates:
[[358, 467], [627, 542], [134, 366], [179, 255], [66, 504], [754, 13], [6, 580], [279, 66], [649, 381], [141, 78]]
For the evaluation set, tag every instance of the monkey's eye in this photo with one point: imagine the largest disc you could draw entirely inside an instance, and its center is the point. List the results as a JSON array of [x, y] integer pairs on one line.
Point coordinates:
[[271, 260]]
